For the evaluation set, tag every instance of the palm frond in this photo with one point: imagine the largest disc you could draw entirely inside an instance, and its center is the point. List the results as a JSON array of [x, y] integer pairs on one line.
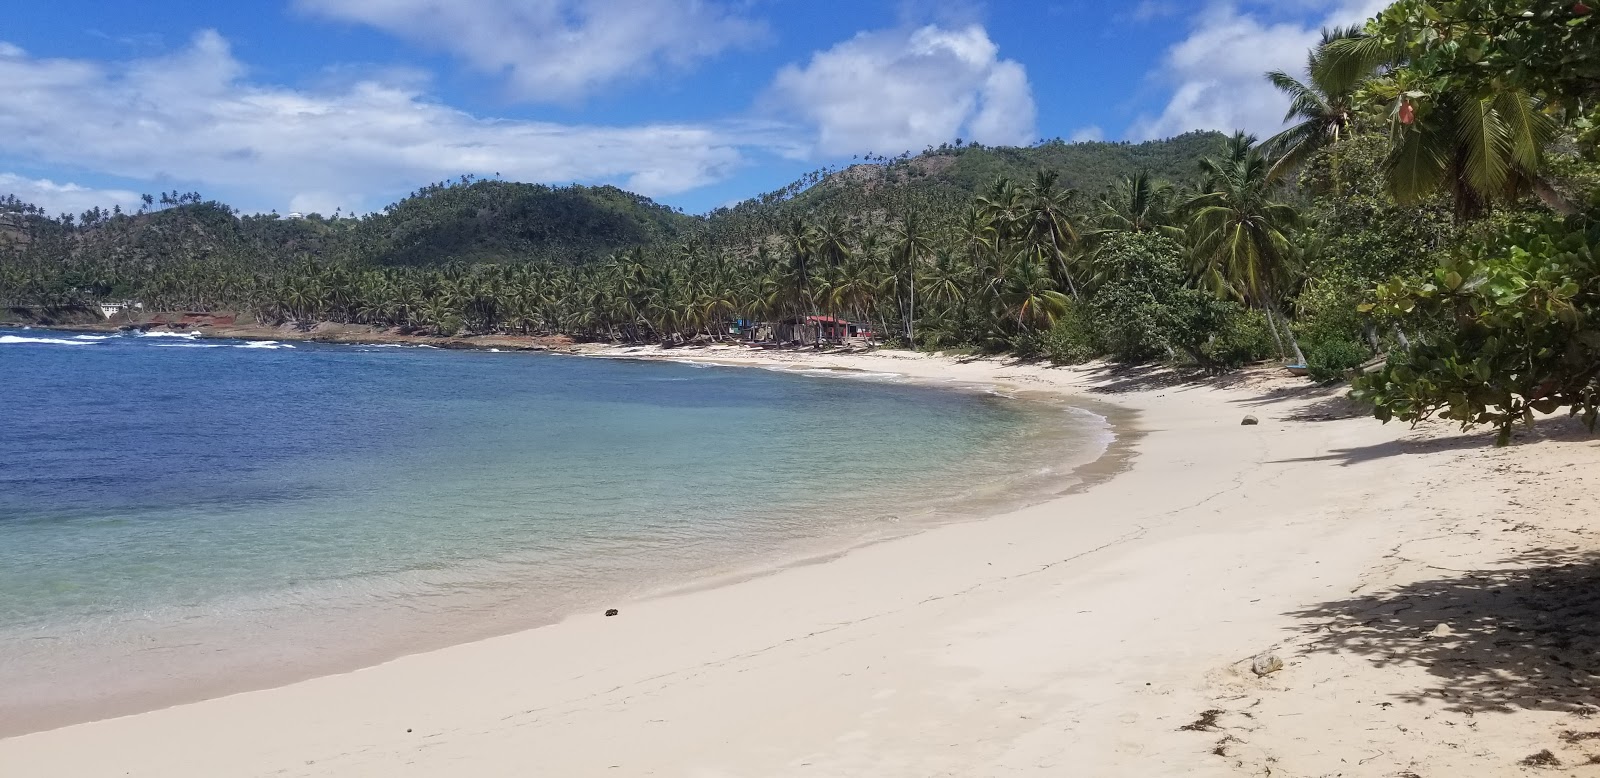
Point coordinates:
[[1344, 63], [1528, 129], [1415, 166], [1485, 144]]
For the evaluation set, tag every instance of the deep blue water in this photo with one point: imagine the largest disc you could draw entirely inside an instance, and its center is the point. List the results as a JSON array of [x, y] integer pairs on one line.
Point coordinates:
[[222, 506]]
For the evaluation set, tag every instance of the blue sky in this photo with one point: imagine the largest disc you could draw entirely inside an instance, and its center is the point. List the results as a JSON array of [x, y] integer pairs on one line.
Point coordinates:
[[322, 104]]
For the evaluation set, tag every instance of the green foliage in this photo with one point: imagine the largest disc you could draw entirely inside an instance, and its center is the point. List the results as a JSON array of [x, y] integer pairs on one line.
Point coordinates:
[[1525, 309], [1329, 356], [1241, 228], [1147, 311], [501, 221], [1548, 48], [1331, 328], [1241, 336], [1070, 340], [1475, 91], [944, 180]]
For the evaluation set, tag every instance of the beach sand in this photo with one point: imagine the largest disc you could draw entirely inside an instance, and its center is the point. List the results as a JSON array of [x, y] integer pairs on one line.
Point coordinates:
[[1109, 632]]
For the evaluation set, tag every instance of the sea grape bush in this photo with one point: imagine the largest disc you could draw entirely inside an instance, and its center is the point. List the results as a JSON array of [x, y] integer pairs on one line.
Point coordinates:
[[1525, 309]]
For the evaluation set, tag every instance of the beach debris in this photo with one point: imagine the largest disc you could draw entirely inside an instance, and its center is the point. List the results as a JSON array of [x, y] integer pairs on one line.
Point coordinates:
[[612, 611], [1443, 630], [1542, 759], [1266, 664], [1249, 421], [1205, 723]]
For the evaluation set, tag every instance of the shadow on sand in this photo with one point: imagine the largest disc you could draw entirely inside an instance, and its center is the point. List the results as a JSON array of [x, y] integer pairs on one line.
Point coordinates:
[[1524, 637]]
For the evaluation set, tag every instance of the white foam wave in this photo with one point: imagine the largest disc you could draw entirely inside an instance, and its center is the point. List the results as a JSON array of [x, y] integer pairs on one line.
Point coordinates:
[[93, 338], [823, 372], [8, 340], [266, 344], [190, 345], [184, 335]]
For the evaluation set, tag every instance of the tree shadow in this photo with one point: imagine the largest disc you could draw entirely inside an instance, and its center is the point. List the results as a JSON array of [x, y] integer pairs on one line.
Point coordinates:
[[1117, 378], [1335, 407], [1394, 448], [1524, 637], [1552, 428]]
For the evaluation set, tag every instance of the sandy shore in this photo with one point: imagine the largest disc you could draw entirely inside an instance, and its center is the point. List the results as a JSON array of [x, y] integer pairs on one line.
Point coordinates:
[[1108, 632]]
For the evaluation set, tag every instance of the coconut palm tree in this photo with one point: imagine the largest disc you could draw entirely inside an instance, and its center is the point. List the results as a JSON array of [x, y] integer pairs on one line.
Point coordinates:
[[909, 243], [1138, 203], [1322, 107], [1478, 146], [1240, 231], [1030, 298], [1047, 225]]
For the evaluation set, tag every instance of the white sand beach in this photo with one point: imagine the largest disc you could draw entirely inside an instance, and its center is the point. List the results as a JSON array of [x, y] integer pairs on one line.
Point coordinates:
[[1090, 635]]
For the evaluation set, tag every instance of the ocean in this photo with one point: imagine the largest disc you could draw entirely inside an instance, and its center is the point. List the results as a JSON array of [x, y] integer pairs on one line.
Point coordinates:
[[182, 517]]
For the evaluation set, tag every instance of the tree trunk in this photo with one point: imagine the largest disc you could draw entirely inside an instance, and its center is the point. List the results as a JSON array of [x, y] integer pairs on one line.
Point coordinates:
[[911, 320], [1276, 336], [1552, 198], [1294, 343]]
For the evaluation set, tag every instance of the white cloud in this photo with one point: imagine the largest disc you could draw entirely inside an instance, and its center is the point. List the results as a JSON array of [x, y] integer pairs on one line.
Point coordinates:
[[558, 49], [191, 118], [1218, 72], [1088, 134], [70, 198], [888, 92]]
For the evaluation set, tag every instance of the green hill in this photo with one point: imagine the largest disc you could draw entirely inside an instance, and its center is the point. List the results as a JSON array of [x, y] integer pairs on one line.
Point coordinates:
[[497, 221], [466, 222], [944, 179], [103, 253]]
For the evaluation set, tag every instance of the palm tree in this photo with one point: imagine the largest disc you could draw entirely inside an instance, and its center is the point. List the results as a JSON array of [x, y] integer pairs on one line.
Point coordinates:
[[1477, 146], [795, 278], [1139, 204], [1323, 106], [1479, 149], [1240, 232], [909, 243], [832, 245], [1029, 296], [1048, 226]]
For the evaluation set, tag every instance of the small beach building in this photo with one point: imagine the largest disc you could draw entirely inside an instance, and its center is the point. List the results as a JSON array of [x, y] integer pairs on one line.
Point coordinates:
[[808, 330], [112, 310]]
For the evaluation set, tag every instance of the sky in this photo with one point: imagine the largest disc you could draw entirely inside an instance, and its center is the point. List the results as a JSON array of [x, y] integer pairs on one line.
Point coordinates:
[[318, 105]]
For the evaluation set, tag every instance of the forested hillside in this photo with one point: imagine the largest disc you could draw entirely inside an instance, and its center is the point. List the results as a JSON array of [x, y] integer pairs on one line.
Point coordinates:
[[183, 251], [499, 221], [945, 179]]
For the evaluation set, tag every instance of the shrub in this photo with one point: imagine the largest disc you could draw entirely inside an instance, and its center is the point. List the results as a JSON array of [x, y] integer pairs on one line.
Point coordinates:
[[1071, 340], [1329, 358], [1526, 334], [1026, 345], [1241, 336], [1130, 323]]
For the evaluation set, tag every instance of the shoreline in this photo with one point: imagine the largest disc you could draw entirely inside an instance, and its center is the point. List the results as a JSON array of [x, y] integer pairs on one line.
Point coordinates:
[[322, 332], [1109, 456], [1107, 631]]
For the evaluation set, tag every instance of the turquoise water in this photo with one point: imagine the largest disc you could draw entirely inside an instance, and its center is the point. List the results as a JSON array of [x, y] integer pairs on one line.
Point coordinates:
[[181, 517]]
